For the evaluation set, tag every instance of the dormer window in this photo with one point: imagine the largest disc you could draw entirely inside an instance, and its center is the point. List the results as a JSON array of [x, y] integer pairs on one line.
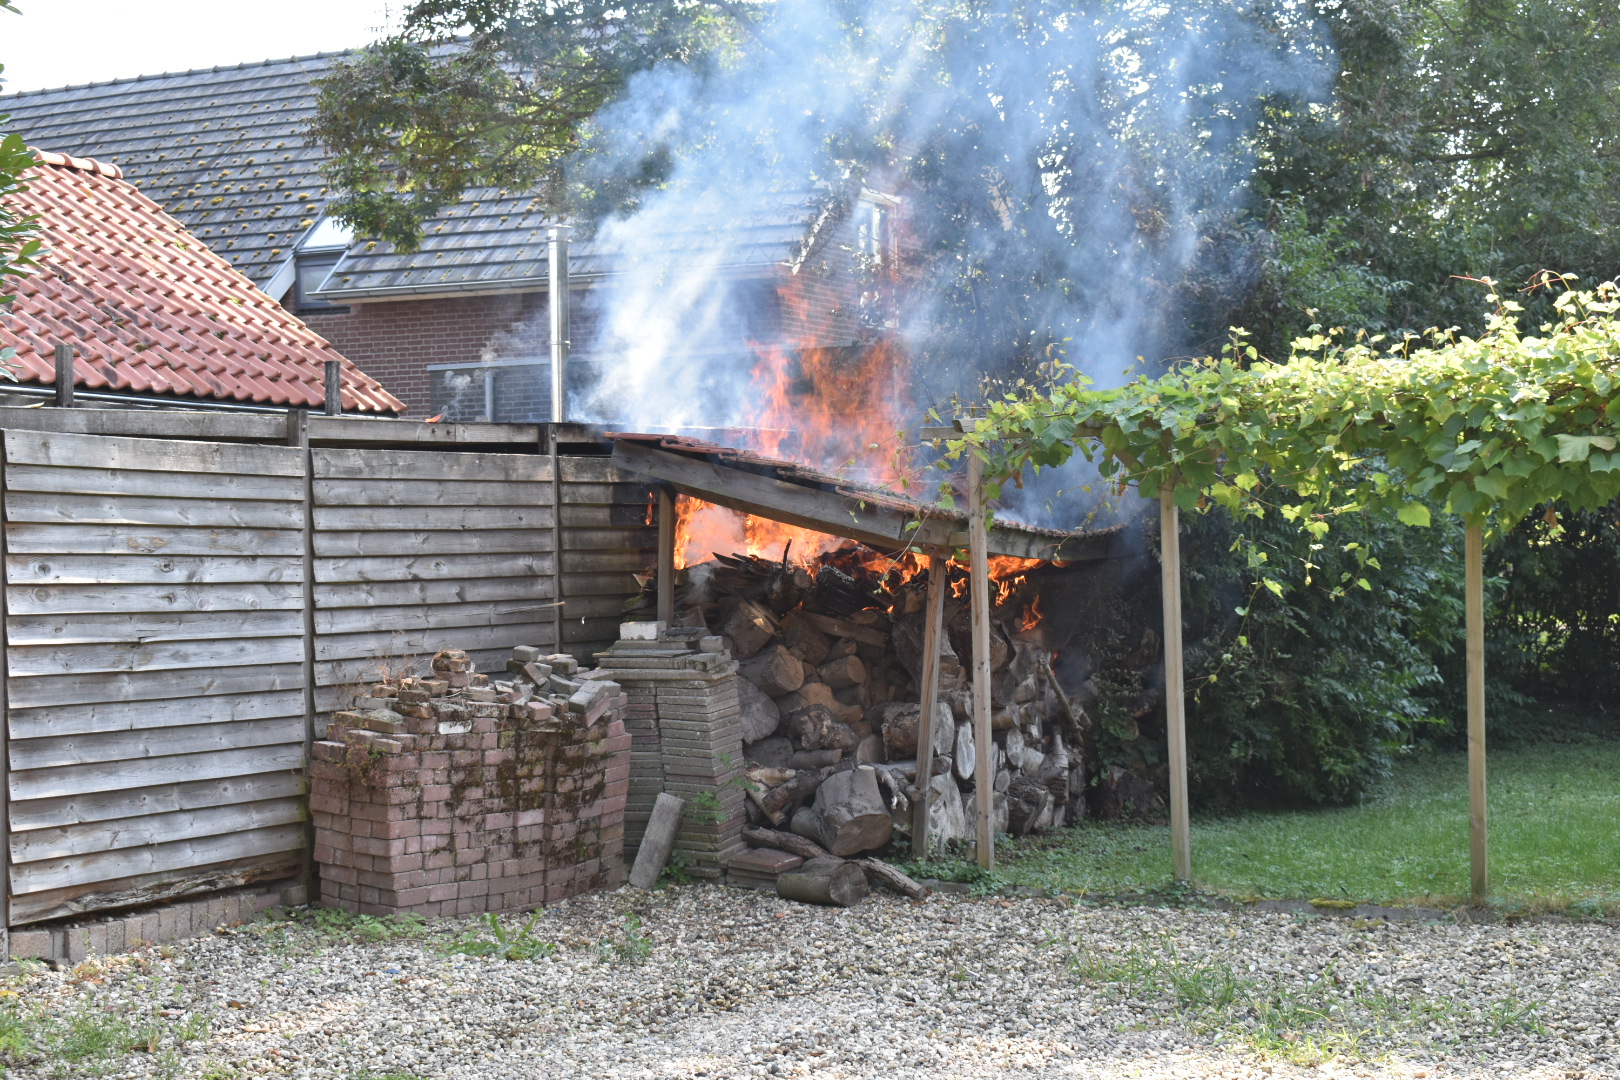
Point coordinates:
[[317, 254]]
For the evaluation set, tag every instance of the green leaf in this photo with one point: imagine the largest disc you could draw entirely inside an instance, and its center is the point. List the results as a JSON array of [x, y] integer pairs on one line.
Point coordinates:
[[1414, 513]]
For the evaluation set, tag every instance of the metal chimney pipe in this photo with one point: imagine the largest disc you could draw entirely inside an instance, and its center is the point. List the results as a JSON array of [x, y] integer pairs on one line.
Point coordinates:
[[557, 306]]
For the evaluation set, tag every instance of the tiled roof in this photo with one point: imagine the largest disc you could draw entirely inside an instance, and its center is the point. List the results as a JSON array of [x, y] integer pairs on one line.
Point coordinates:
[[494, 241], [151, 310], [221, 149]]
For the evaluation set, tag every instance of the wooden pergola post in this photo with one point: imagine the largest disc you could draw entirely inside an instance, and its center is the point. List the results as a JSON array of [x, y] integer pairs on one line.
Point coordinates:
[[1474, 622], [666, 556], [934, 618], [1175, 696], [984, 773]]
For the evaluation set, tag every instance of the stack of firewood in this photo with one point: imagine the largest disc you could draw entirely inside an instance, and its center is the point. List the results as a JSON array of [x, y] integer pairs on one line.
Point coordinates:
[[830, 664]]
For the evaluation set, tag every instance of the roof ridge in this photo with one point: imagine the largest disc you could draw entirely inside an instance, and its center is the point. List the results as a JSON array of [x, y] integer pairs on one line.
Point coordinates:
[[178, 74], [84, 164]]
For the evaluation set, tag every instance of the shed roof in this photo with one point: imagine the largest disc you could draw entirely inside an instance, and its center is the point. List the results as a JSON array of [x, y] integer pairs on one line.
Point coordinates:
[[753, 483], [151, 310]]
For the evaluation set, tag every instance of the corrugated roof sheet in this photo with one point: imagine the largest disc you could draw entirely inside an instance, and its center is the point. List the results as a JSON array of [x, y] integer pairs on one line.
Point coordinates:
[[152, 310]]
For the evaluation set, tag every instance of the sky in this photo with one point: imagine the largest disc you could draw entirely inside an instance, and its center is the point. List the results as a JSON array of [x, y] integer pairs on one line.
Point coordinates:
[[68, 42]]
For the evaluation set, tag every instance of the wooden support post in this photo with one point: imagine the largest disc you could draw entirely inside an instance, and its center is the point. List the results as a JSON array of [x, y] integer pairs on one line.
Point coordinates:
[[666, 556], [1175, 691], [334, 388], [984, 775], [5, 748], [934, 618], [64, 376], [1474, 619], [298, 435]]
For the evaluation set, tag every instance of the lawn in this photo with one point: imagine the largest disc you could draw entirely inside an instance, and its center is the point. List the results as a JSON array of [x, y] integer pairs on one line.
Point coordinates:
[[1554, 840]]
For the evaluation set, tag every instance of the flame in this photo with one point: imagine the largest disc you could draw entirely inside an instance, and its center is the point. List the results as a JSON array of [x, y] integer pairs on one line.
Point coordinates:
[[703, 529]]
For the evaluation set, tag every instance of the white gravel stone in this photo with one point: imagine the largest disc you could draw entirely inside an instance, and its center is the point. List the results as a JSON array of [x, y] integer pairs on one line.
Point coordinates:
[[710, 982]]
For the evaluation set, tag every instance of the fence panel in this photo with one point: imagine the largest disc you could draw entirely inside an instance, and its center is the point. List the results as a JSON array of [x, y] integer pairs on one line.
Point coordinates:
[[609, 536], [154, 651], [421, 551]]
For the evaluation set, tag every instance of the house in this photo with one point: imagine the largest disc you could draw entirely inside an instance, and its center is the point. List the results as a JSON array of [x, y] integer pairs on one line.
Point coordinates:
[[152, 314], [459, 327]]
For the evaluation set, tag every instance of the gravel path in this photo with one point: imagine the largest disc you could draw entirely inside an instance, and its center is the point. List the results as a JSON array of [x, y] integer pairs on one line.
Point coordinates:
[[707, 982]]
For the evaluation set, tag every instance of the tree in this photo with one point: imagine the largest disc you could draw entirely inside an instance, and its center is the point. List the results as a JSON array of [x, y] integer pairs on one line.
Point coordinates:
[[489, 93]]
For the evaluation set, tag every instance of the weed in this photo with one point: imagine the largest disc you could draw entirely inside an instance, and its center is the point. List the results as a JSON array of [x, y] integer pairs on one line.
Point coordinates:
[[706, 808], [368, 929], [501, 943], [632, 947], [17, 1034], [678, 870]]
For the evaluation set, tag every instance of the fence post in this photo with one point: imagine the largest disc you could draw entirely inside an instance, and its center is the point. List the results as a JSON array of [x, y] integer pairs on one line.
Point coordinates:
[[1474, 620], [937, 570], [666, 556], [1175, 694], [334, 388], [64, 376]]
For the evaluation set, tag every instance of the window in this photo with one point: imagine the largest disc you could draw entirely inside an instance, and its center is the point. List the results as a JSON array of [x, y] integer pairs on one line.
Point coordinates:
[[312, 268]]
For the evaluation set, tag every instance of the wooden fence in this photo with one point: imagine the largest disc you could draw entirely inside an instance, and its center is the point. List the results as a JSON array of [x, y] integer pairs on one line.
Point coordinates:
[[178, 613]]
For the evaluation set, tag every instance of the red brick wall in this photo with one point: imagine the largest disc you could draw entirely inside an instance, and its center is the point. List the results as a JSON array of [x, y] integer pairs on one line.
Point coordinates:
[[394, 341]]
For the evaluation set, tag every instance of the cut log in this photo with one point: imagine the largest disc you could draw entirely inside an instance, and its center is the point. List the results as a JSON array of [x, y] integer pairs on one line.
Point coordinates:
[[798, 845], [849, 815], [843, 628], [964, 755], [759, 715], [775, 752], [870, 751], [898, 722], [768, 776], [1027, 801], [842, 672], [750, 627], [884, 874], [805, 641], [814, 759], [824, 881], [780, 802], [775, 671]]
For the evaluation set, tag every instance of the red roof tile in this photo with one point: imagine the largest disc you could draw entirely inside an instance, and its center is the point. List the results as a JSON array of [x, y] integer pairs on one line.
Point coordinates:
[[151, 310]]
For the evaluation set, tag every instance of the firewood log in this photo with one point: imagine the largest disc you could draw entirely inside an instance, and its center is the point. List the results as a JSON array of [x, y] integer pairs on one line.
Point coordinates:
[[965, 755], [786, 841], [780, 802], [750, 628], [775, 671], [881, 872], [848, 816], [824, 881]]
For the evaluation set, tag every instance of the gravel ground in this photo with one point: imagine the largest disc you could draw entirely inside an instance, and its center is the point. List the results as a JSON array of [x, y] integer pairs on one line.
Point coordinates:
[[707, 982]]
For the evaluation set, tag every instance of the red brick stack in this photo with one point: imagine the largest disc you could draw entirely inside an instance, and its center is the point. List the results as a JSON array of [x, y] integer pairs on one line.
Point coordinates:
[[457, 795]]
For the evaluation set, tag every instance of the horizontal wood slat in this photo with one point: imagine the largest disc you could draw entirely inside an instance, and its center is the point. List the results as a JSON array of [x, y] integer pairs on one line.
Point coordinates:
[[413, 492], [414, 543], [159, 799], [25, 538], [344, 464], [241, 651], [144, 686], [64, 507], [154, 858], [69, 780], [422, 644], [150, 570], [150, 627], [81, 719], [125, 746], [430, 617], [117, 452], [452, 518], [434, 568], [182, 487], [455, 591], [123, 598], [70, 840], [154, 888]]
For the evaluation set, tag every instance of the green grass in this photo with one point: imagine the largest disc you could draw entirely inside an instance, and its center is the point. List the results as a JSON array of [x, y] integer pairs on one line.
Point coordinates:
[[1553, 843]]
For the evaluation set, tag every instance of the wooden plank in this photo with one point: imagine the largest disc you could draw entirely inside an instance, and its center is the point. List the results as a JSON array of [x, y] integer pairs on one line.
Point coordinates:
[[150, 627], [119, 540], [135, 686], [599, 562], [1175, 691], [595, 470], [635, 492], [64, 781], [129, 599], [622, 583], [379, 465], [123, 803], [406, 491], [617, 516], [393, 518], [121, 746], [350, 620], [65, 507], [354, 673], [24, 660], [389, 430], [67, 841], [581, 631], [114, 452], [89, 718], [637, 539], [1474, 620], [135, 484], [984, 775], [154, 888], [178, 423], [154, 858], [933, 624], [585, 607], [375, 594], [150, 570], [409, 643], [666, 557], [435, 567], [366, 544]]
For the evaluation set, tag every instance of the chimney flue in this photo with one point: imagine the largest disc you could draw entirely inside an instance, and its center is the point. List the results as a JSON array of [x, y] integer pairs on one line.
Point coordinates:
[[557, 305]]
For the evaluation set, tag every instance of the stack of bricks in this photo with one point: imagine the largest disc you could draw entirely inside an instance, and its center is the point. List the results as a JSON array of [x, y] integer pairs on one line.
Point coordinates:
[[683, 687], [459, 794], [646, 763]]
